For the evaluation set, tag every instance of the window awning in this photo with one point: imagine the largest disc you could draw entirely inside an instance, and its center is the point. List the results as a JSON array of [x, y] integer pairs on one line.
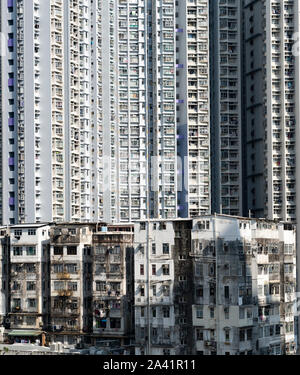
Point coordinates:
[[25, 333]]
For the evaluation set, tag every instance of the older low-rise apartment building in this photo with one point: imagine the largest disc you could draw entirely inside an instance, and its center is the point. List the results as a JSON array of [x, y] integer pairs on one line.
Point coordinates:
[[112, 294], [29, 286], [163, 278], [69, 282], [90, 282], [215, 285]]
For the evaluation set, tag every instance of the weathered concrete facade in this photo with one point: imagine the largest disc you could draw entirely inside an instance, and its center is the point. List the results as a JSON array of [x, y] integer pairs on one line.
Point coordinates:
[[71, 282], [91, 270], [65, 279], [112, 293], [230, 281], [245, 277], [28, 277], [163, 287]]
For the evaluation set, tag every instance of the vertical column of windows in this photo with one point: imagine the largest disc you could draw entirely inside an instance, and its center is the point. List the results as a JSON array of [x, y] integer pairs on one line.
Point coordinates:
[[57, 84]]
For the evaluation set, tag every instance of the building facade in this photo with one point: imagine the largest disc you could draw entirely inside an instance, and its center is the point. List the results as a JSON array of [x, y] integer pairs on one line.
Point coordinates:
[[55, 158], [91, 284], [245, 286], [121, 130], [112, 292], [28, 277], [163, 285], [271, 87], [216, 285], [226, 106], [71, 283]]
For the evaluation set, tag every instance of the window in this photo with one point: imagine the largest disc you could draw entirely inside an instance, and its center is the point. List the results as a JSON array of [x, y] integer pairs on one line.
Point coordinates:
[[58, 285], [166, 290], [115, 323], [199, 291], [30, 285], [212, 312], [154, 290], [18, 233], [166, 269], [31, 303], [58, 250], [30, 250], [226, 312], [18, 251], [154, 332], [154, 312], [100, 268], [31, 232], [30, 321], [153, 249], [30, 268], [166, 249], [101, 323], [58, 268], [162, 226], [226, 292], [100, 250], [199, 312], [153, 269], [71, 322], [100, 286], [116, 250], [277, 329], [72, 286], [72, 250], [16, 286], [227, 335], [142, 270], [199, 334], [211, 270], [71, 268], [16, 303], [166, 312]]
